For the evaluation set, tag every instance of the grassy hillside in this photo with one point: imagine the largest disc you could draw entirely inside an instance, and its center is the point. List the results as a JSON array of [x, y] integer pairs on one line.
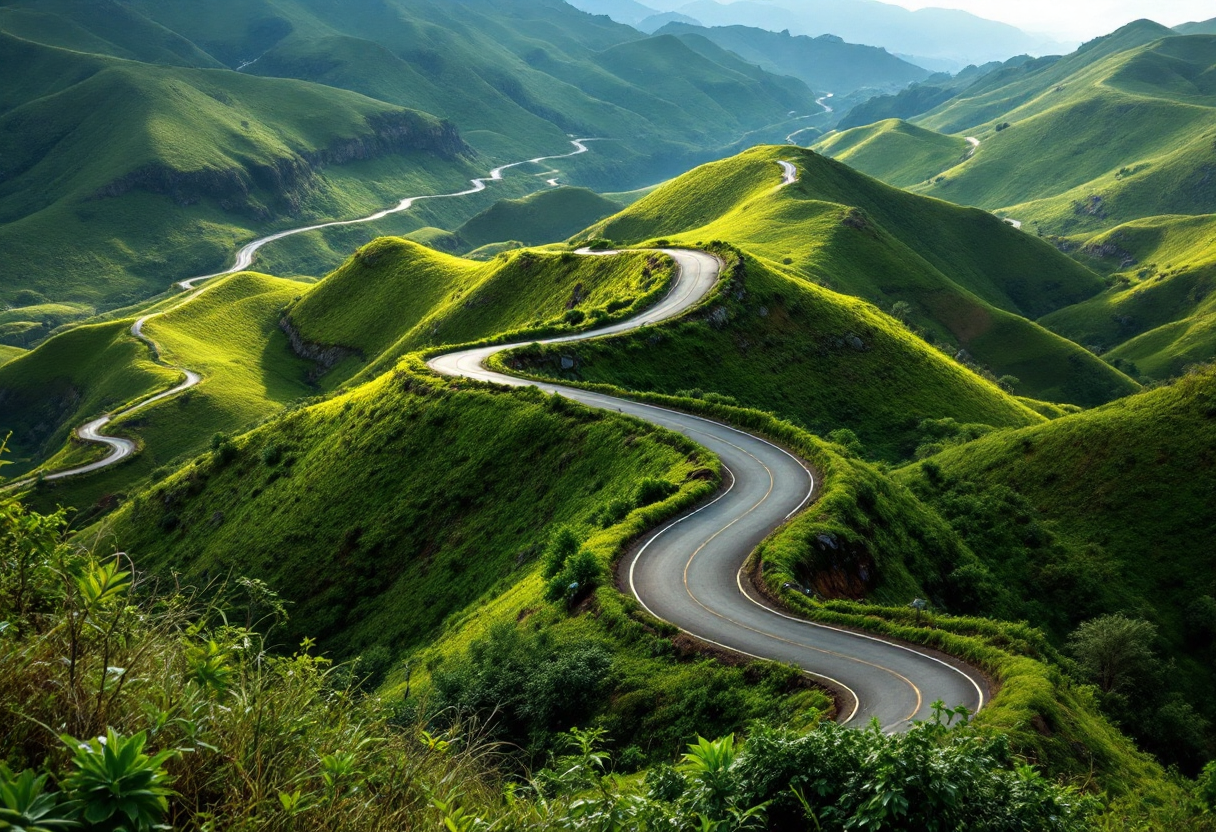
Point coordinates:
[[395, 296], [491, 474], [515, 79], [783, 344], [965, 277], [119, 177], [1158, 313], [90, 370], [898, 153], [1099, 512], [229, 334], [1206, 27], [1096, 138], [8, 353], [545, 217]]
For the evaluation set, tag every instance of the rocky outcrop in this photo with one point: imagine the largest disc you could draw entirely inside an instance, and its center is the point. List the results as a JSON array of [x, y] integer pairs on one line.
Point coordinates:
[[325, 356], [288, 180]]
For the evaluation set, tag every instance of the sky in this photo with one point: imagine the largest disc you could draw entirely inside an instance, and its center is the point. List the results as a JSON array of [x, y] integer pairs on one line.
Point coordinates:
[[1075, 19]]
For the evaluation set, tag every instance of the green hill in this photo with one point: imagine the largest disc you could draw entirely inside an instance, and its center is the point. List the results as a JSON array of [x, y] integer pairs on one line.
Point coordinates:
[[898, 153], [783, 344], [969, 280], [1104, 511], [824, 63], [8, 353], [395, 296], [139, 144], [1096, 138], [1159, 314], [544, 217], [85, 372], [118, 176], [228, 333], [1207, 27]]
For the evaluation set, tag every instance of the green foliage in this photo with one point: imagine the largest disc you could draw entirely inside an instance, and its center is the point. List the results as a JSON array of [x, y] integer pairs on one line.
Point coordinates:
[[27, 806], [1046, 509], [394, 296], [1113, 650], [652, 490], [491, 474], [117, 785], [529, 686]]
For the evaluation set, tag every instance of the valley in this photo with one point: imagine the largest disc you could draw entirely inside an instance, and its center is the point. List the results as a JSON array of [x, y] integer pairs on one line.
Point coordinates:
[[478, 406]]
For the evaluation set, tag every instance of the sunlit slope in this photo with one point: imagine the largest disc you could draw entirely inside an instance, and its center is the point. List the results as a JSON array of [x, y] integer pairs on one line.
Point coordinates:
[[970, 280], [229, 334], [1033, 84], [898, 153], [394, 296], [1160, 312], [314, 503], [545, 217], [775, 341], [8, 353], [85, 372], [118, 177]]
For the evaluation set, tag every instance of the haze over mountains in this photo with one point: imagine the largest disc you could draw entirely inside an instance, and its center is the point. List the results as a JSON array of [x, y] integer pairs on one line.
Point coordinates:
[[938, 39], [561, 376]]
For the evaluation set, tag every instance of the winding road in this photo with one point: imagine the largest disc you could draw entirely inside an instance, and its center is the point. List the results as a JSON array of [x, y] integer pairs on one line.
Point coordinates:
[[119, 448], [690, 571]]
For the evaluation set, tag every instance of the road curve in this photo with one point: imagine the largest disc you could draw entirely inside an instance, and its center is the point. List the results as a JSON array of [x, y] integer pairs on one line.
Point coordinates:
[[121, 448], [689, 572], [244, 256]]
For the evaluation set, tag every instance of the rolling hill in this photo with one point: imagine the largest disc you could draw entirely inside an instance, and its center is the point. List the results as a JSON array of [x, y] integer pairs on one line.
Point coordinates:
[[785, 345], [970, 281], [1120, 130], [1104, 511], [543, 217], [256, 116], [120, 176], [1158, 316], [394, 297], [898, 153]]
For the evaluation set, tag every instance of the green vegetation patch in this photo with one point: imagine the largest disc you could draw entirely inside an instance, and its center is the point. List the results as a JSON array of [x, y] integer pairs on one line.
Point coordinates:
[[544, 217]]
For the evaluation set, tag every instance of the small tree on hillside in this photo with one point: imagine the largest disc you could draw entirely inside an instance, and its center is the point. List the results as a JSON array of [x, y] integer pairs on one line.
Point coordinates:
[[1114, 650]]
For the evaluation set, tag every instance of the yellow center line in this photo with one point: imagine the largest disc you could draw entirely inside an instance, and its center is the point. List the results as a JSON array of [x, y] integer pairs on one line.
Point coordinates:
[[697, 601]]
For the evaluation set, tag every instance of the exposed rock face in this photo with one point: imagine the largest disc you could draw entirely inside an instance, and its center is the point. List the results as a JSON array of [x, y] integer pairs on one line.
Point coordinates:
[[325, 356], [289, 179]]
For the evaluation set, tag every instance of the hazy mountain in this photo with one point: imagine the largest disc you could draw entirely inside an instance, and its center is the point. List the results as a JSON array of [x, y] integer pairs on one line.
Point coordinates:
[[628, 12], [658, 21], [1207, 27], [933, 33], [824, 63]]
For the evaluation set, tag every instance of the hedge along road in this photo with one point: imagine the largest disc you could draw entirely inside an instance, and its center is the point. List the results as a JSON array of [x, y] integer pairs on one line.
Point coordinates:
[[690, 571], [120, 447]]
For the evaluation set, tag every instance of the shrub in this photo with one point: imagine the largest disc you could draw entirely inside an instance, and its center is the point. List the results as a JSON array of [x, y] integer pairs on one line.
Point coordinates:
[[561, 547], [580, 574], [574, 317], [653, 490]]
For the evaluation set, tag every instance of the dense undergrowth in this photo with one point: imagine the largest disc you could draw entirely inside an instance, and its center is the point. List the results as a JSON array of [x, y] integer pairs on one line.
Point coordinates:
[[202, 727]]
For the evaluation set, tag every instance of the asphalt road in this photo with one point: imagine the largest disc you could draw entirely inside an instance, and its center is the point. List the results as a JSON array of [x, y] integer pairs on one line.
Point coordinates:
[[689, 571]]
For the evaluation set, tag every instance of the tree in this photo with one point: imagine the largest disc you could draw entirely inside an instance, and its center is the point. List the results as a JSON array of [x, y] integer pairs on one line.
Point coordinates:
[[1114, 650]]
